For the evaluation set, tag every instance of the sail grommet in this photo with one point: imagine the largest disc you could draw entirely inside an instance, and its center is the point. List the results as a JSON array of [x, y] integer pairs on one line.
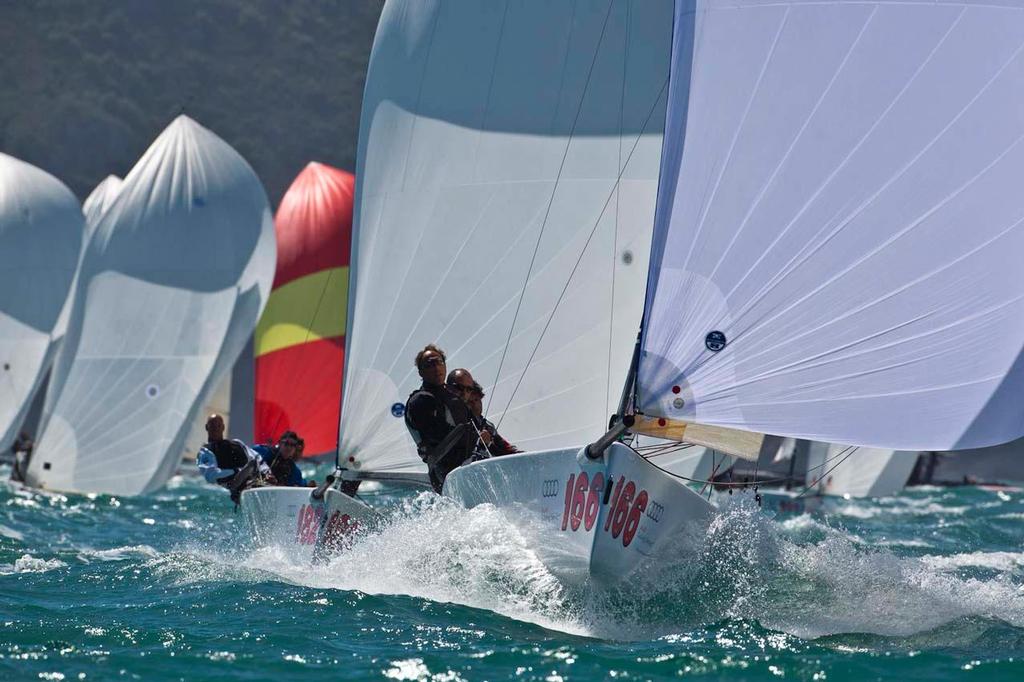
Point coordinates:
[[627, 257], [152, 391], [676, 389], [715, 341], [678, 403], [398, 410]]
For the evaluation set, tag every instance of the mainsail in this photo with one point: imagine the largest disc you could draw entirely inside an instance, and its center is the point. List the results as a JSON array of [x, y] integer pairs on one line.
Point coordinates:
[[508, 163], [839, 223], [300, 340], [171, 285], [41, 230]]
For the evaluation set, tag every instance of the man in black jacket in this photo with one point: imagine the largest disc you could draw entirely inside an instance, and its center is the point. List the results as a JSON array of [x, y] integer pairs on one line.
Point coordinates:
[[437, 419], [489, 442]]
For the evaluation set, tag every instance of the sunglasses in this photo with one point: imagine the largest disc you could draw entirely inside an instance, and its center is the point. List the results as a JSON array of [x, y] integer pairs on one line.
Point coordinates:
[[431, 362], [288, 442]]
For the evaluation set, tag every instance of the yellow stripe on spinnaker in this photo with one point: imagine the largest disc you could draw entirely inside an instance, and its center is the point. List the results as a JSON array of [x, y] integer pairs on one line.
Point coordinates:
[[742, 444], [306, 309]]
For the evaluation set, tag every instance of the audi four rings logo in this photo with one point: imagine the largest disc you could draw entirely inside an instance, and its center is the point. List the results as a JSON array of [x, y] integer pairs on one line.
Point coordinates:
[[550, 488], [654, 511]]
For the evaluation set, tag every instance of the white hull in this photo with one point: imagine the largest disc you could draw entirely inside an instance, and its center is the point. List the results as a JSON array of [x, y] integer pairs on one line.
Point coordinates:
[[304, 528], [579, 525], [580, 528]]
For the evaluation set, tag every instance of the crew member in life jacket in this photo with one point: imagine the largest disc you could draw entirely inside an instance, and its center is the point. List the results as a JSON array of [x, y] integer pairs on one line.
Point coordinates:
[[281, 460], [438, 420], [488, 443], [230, 463]]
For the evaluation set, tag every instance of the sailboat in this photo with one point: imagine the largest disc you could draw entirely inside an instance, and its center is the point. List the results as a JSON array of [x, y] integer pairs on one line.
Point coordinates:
[[300, 339], [41, 232], [832, 259], [170, 287]]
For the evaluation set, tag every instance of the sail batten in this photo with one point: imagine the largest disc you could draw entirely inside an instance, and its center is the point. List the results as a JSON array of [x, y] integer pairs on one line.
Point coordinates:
[[838, 212]]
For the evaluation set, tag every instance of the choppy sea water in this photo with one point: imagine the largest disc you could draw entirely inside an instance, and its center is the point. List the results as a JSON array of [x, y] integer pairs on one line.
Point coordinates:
[[929, 585]]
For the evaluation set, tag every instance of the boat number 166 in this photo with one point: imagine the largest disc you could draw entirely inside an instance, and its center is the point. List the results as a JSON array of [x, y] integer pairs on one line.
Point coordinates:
[[583, 500]]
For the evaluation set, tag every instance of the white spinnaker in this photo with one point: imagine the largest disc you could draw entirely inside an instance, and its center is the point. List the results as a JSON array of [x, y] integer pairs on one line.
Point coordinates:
[[96, 204], [171, 284], [41, 232], [841, 199], [492, 143], [100, 199]]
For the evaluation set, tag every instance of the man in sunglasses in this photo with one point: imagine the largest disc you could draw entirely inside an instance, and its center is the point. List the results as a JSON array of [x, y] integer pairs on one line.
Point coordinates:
[[281, 460], [438, 420], [489, 443]]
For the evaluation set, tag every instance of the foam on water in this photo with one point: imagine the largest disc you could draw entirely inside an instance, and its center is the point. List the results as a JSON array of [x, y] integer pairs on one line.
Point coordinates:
[[444, 590], [27, 563], [801, 576]]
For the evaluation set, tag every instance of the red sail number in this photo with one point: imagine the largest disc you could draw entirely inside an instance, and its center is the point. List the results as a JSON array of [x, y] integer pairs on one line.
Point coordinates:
[[593, 501], [583, 502], [308, 525]]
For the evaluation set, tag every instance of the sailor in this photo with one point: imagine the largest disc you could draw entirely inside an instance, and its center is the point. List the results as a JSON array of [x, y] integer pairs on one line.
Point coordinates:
[[230, 463], [22, 451], [438, 420], [489, 443], [281, 460]]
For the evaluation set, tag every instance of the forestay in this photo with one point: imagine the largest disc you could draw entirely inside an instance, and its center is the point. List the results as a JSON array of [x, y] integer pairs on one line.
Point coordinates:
[[836, 251], [40, 237], [508, 161], [171, 285]]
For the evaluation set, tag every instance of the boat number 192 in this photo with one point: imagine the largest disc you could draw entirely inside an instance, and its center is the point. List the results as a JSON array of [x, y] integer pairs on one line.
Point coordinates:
[[583, 501]]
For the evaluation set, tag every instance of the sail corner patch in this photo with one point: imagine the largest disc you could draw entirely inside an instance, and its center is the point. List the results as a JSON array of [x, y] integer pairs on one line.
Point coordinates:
[[715, 341]]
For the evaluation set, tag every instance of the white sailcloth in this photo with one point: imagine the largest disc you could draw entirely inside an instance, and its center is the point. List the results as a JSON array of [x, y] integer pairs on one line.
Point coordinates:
[[508, 161], [100, 199], [95, 205], [41, 231], [834, 469], [171, 285], [841, 201]]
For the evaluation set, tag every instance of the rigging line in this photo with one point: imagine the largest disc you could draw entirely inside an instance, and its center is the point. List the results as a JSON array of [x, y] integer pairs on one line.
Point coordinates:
[[615, 240], [714, 471], [748, 484], [848, 451], [583, 251], [547, 212]]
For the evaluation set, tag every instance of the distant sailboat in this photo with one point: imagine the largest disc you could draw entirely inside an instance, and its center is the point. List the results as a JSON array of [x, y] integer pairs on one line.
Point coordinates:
[[814, 156], [171, 285], [300, 339], [41, 232]]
